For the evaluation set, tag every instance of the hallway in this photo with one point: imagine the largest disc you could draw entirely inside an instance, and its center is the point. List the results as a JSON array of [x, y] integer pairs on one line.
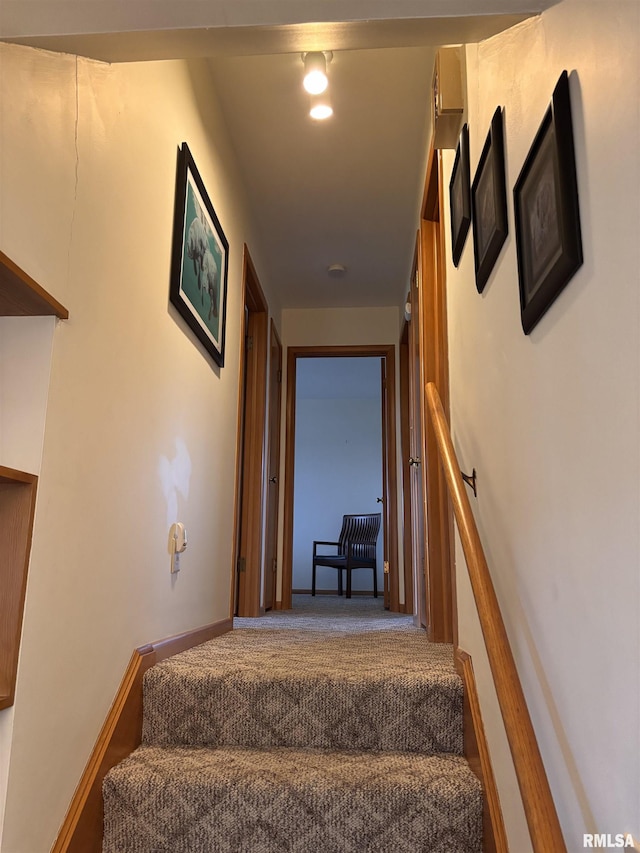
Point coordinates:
[[130, 426], [332, 614]]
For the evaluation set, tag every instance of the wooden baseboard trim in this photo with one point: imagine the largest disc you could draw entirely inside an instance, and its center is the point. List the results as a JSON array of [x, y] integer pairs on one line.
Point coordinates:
[[334, 592], [121, 733], [476, 750]]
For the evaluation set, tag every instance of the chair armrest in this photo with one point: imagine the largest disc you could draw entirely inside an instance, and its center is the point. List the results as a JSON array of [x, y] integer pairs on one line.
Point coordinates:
[[323, 542]]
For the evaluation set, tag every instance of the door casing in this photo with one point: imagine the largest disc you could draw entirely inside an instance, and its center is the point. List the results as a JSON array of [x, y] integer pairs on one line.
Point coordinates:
[[440, 576], [273, 470], [250, 457], [386, 351], [405, 453]]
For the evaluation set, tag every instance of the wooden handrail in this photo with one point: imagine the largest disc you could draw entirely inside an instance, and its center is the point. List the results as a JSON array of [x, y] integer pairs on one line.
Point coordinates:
[[542, 819]]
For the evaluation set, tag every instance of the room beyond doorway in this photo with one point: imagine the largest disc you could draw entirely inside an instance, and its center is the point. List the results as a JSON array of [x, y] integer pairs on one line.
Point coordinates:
[[338, 461], [385, 488]]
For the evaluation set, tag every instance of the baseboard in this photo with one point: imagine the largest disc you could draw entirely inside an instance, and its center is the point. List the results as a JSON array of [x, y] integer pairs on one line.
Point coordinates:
[[368, 592], [121, 733], [476, 750]]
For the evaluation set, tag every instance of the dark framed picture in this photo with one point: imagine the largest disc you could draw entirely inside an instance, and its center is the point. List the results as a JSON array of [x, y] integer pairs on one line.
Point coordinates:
[[489, 203], [547, 215], [460, 196], [199, 259]]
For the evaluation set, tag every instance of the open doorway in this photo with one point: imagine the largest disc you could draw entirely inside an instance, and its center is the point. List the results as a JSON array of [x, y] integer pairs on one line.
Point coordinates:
[[381, 494], [338, 462]]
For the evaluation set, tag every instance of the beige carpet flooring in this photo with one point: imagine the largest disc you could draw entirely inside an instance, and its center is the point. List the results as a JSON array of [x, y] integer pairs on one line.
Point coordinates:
[[334, 728]]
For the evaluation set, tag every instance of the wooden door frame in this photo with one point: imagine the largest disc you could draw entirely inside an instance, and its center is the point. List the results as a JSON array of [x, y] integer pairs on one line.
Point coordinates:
[[384, 414], [251, 449], [405, 468], [417, 475], [441, 610], [387, 351], [273, 461]]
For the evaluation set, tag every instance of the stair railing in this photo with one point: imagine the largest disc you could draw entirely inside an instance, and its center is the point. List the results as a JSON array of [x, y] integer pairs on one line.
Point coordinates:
[[539, 808]]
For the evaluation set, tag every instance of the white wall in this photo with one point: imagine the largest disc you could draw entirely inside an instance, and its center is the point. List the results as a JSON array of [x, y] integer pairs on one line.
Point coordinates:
[[338, 468], [25, 360], [325, 327], [141, 427], [551, 421]]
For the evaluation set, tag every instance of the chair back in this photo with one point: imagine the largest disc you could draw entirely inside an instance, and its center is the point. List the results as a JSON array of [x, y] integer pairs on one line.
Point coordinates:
[[362, 531]]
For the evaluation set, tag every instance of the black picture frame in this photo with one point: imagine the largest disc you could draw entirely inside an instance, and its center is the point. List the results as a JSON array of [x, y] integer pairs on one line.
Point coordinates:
[[460, 196], [199, 262], [547, 214], [489, 202]]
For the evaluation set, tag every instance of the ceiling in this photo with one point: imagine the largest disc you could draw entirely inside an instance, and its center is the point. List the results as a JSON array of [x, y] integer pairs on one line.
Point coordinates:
[[343, 191], [346, 190]]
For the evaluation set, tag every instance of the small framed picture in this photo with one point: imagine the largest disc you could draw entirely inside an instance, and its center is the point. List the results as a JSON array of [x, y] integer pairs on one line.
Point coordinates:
[[547, 215], [460, 196], [489, 203], [199, 259]]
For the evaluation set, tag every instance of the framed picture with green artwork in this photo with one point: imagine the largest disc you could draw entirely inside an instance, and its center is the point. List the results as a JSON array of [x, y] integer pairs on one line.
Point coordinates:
[[199, 259]]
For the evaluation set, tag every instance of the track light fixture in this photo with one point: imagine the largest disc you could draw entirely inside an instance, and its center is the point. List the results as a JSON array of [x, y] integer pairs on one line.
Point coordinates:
[[315, 71]]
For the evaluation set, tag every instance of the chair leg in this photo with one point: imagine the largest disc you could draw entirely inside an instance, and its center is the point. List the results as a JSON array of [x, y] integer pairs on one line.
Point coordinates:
[[375, 582], [339, 581], [313, 580], [348, 583]]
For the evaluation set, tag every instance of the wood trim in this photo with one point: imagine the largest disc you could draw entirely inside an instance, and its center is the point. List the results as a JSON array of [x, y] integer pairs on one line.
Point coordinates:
[[432, 194], [17, 511], [376, 351], [22, 296], [346, 351], [441, 613], [251, 454], [476, 751], [406, 469], [237, 509], [392, 474], [274, 417], [254, 457], [82, 829], [442, 362], [417, 426], [334, 592], [386, 577], [289, 466], [542, 819]]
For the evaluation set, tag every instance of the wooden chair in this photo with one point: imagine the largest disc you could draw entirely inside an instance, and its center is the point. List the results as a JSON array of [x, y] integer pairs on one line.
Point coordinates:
[[356, 549]]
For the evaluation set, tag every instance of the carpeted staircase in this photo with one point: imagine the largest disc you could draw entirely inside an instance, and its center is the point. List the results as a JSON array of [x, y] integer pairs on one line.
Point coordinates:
[[274, 740]]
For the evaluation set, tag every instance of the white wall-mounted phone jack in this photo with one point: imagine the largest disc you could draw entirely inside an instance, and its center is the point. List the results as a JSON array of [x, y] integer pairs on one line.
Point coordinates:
[[177, 544]]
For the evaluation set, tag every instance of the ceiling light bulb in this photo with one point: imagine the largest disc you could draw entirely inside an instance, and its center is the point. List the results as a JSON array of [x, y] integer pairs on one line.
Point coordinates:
[[320, 107], [315, 73]]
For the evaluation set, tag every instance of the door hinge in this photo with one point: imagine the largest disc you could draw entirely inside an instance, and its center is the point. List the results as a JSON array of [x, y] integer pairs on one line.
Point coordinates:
[[275, 565], [386, 567], [242, 565], [279, 376], [248, 343]]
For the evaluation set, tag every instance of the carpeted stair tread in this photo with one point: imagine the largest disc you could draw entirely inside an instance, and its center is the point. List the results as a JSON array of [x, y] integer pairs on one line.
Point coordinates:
[[239, 800], [388, 690]]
